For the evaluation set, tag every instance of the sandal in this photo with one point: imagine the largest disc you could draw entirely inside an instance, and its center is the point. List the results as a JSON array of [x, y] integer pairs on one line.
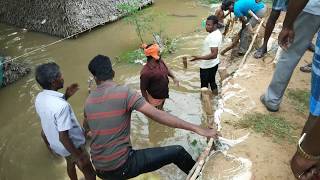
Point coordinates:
[[259, 53], [306, 68]]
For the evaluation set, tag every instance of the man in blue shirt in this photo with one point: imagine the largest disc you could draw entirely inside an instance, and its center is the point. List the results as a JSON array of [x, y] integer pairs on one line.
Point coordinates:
[[241, 9]]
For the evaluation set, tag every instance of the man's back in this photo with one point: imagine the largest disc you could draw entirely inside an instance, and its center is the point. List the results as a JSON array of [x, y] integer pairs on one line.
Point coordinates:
[[56, 115], [108, 114], [241, 7]]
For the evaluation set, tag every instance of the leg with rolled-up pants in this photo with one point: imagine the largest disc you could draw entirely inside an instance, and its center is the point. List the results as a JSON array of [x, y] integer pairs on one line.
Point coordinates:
[[305, 28]]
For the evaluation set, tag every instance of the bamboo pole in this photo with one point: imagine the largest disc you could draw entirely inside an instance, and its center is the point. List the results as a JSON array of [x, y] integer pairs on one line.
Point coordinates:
[[208, 111], [235, 41], [191, 172], [251, 44], [201, 160]]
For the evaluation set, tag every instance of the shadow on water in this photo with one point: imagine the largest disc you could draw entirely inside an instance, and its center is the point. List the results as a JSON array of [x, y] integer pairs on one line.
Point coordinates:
[[22, 153]]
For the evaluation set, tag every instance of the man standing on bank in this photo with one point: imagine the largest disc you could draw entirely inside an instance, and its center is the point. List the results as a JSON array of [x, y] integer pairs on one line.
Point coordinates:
[[209, 59], [108, 112]]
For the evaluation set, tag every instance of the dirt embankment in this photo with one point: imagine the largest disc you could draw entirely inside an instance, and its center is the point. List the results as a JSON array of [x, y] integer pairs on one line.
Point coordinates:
[[266, 157]]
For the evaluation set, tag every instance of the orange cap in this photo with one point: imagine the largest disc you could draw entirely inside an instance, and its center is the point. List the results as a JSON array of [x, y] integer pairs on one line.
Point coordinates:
[[152, 51]]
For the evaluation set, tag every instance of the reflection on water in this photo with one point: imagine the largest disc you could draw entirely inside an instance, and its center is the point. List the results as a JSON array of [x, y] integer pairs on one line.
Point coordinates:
[[23, 156]]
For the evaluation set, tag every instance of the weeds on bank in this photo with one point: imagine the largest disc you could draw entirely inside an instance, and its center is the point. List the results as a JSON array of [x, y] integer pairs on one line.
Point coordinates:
[[299, 99], [210, 1], [137, 56], [274, 126]]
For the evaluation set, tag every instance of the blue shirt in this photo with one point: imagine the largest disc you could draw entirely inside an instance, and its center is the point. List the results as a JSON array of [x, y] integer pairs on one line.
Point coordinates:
[[241, 7]]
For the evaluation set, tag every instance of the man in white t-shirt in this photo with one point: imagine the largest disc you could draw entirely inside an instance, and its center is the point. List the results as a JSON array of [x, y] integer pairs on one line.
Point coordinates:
[[60, 129], [209, 60]]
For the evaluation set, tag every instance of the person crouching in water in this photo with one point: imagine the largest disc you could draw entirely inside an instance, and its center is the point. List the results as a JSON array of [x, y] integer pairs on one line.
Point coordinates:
[[209, 60], [154, 79]]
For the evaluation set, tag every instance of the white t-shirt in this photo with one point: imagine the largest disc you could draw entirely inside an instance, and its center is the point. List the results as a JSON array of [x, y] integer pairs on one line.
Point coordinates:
[[214, 39], [57, 115], [313, 7]]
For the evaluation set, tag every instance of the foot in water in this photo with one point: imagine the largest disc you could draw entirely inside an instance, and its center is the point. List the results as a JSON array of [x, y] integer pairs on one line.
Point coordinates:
[[260, 52]]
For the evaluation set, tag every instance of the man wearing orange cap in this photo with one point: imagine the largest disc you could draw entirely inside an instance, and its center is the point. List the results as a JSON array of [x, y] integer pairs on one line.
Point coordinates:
[[154, 79], [209, 59]]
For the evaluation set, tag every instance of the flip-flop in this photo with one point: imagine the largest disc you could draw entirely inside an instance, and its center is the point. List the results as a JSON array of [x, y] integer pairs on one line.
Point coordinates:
[[307, 68], [259, 53]]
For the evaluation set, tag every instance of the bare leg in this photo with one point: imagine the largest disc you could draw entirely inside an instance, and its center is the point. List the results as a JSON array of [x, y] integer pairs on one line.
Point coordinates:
[[274, 15], [86, 168], [88, 171], [71, 170]]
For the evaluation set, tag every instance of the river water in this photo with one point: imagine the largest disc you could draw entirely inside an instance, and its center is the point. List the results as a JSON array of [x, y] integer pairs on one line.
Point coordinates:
[[23, 155]]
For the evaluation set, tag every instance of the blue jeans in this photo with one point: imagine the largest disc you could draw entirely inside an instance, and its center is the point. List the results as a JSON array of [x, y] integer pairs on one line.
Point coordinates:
[[151, 159]]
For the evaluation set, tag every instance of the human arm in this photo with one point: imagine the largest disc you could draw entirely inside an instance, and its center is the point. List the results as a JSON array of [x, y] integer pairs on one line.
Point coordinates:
[[71, 90], [64, 122], [167, 119], [86, 128], [212, 55], [286, 35]]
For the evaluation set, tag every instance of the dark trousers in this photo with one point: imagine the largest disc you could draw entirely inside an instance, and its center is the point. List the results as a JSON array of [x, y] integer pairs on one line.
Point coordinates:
[[151, 159], [208, 76]]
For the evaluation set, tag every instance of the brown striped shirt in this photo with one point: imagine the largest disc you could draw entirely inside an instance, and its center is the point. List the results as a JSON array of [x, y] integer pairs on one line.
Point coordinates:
[[108, 110]]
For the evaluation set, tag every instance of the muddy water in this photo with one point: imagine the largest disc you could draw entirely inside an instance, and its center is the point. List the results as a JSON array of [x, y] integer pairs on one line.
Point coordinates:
[[22, 152]]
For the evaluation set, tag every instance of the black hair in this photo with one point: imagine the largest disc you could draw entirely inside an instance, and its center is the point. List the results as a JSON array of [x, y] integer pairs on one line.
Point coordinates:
[[213, 18], [46, 74], [225, 4], [101, 68]]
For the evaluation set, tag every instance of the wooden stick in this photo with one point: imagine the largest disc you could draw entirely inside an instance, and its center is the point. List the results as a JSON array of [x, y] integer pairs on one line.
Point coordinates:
[[191, 172], [185, 62], [235, 41], [208, 110], [201, 160], [251, 44]]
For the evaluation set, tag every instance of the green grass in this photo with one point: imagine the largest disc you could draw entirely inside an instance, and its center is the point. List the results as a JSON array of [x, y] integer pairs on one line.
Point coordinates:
[[299, 99], [276, 127], [131, 56], [170, 47]]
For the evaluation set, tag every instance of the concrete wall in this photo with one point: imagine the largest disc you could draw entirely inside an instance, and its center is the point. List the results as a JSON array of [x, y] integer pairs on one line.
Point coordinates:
[[60, 17]]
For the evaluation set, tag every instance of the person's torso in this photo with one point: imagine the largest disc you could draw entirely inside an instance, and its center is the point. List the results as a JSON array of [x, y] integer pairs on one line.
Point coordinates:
[[109, 119], [206, 49], [49, 105], [158, 79], [313, 7], [244, 6]]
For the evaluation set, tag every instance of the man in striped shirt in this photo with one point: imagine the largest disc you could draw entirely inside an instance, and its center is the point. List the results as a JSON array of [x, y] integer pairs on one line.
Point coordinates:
[[108, 116]]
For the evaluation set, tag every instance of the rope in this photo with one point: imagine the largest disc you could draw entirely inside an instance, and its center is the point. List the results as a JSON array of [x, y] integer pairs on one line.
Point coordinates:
[[58, 41], [50, 44]]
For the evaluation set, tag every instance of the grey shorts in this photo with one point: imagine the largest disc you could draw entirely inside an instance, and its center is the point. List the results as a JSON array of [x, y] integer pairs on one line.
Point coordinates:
[[261, 13]]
